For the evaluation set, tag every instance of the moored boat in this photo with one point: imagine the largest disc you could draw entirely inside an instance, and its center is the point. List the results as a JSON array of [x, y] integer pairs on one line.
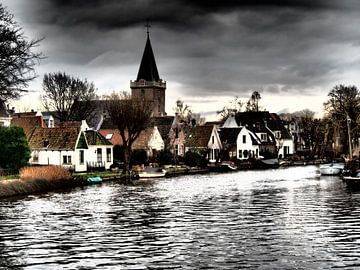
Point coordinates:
[[150, 172], [228, 166], [94, 180], [331, 168]]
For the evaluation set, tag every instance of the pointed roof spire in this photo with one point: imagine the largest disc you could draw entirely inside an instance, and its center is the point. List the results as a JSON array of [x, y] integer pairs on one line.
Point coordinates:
[[148, 70]]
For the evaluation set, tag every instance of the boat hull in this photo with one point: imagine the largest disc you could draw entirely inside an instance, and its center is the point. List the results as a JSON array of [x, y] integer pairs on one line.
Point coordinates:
[[331, 169]]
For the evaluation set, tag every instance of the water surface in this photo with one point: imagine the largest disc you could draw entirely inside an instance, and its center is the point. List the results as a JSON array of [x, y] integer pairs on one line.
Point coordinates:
[[277, 219]]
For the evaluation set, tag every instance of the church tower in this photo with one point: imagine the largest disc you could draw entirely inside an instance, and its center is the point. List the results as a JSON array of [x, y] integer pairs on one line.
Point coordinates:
[[148, 85]]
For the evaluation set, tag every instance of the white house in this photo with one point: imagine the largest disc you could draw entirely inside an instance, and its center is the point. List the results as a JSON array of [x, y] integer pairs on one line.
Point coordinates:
[[150, 140], [247, 144], [71, 146]]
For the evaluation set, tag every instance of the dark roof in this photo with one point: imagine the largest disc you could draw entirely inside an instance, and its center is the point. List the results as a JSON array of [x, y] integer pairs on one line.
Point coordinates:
[[95, 138], [163, 124], [228, 136], [148, 70], [198, 136], [54, 138]]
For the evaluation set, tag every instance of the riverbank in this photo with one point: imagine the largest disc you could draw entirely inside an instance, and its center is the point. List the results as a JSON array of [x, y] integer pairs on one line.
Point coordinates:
[[18, 187]]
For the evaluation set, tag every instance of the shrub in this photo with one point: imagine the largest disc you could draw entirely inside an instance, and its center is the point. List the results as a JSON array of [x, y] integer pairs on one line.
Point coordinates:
[[47, 173], [139, 156], [195, 159], [15, 152], [165, 157], [119, 152]]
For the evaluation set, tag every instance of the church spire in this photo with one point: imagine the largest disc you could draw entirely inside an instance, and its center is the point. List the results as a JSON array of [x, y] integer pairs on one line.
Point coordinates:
[[148, 69]]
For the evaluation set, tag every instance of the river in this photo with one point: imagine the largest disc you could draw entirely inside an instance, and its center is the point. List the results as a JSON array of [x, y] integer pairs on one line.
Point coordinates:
[[275, 219]]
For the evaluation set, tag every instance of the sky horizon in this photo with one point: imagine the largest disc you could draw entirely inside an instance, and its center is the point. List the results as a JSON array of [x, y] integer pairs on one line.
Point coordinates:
[[292, 52]]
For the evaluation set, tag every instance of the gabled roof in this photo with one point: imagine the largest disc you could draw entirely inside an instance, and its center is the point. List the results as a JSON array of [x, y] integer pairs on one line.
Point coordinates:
[[28, 124], [230, 122], [54, 138], [198, 136], [96, 138], [143, 140], [148, 70], [163, 124]]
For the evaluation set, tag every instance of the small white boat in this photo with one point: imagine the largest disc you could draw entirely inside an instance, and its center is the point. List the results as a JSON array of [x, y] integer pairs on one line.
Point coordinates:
[[228, 166], [331, 168], [150, 172]]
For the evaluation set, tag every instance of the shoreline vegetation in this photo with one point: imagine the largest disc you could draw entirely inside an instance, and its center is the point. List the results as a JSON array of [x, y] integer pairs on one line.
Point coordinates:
[[34, 180]]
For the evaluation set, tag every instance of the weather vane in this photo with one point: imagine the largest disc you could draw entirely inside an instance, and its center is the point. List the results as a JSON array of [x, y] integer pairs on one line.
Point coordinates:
[[147, 25]]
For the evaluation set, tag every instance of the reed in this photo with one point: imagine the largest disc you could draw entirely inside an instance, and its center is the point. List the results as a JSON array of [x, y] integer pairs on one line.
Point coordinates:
[[45, 173]]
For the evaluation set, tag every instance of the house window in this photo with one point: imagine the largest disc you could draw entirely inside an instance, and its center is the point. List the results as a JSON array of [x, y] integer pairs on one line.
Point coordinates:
[[66, 159], [240, 153], [263, 137], [81, 157], [212, 139], [245, 153], [176, 133], [286, 150], [108, 154], [277, 134], [257, 153], [244, 138], [99, 155]]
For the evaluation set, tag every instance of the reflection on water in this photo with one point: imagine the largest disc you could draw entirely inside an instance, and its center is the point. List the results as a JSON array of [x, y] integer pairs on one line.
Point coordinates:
[[277, 219]]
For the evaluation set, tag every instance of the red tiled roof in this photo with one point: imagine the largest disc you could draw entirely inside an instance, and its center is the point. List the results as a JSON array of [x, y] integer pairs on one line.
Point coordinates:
[[28, 123]]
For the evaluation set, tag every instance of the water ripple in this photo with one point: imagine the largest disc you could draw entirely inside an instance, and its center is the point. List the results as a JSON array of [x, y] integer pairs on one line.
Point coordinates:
[[277, 219]]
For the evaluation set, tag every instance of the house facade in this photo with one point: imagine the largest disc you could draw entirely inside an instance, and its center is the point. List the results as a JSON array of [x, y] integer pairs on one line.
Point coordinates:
[[71, 146], [204, 139], [248, 144]]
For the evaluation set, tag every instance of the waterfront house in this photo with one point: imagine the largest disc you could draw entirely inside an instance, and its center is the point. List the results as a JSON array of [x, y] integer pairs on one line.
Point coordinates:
[[149, 140], [247, 144], [204, 139], [276, 141], [228, 137], [72, 145]]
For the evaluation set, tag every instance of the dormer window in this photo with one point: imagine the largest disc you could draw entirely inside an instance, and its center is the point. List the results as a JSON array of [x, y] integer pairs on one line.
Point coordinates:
[[46, 143], [263, 137]]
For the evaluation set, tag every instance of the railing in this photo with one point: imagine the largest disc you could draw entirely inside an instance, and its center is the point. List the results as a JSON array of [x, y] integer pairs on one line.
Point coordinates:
[[95, 166], [143, 83]]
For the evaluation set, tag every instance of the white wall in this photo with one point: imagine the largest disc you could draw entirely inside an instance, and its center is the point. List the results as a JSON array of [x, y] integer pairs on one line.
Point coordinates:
[[91, 154], [248, 145], [214, 145]]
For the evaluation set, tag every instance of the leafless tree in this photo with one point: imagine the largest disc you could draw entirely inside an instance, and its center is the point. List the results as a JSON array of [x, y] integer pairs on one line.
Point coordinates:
[[71, 98], [235, 105], [17, 57], [131, 116]]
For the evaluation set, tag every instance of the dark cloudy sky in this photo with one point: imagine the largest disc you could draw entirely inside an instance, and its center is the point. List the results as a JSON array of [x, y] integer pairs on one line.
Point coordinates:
[[292, 52]]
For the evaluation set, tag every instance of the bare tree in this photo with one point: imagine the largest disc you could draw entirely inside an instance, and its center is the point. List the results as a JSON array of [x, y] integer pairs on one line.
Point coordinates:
[[131, 117], [71, 98], [343, 106], [17, 58], [235, 105], [253, 104]]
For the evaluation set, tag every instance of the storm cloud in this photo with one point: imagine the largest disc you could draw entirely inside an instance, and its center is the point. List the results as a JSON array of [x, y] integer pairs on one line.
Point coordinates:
[[203, 48]]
